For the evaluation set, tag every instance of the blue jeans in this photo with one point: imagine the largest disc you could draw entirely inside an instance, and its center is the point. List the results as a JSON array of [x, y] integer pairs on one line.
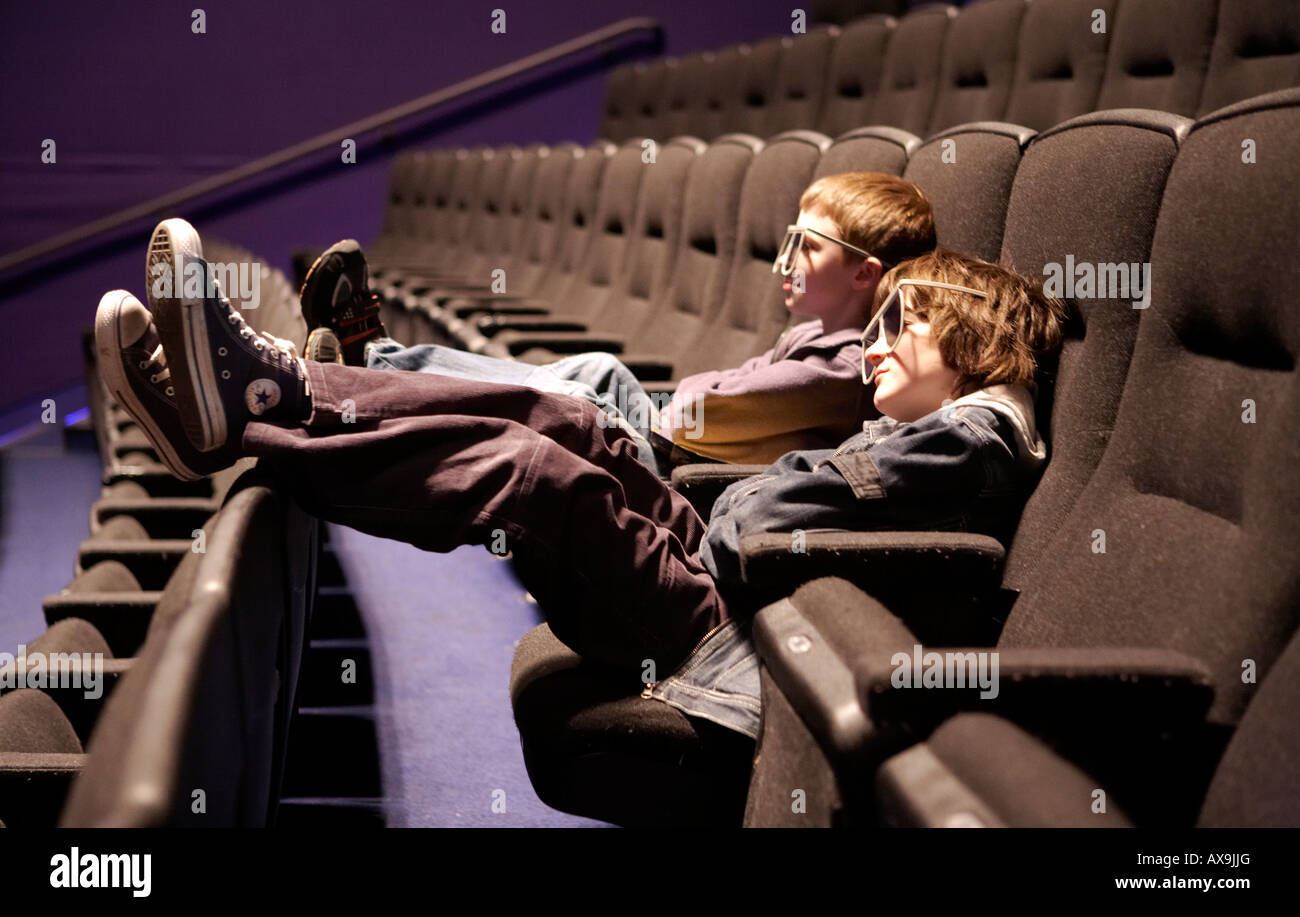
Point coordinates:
[[598, 377]]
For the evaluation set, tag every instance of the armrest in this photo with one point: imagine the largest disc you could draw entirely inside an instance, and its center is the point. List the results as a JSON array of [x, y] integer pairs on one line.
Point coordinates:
[[702, 484], [807, 642], [498, 323], [945, 585], [1045, 690], [517, 342], [981, 770], [466, 306]]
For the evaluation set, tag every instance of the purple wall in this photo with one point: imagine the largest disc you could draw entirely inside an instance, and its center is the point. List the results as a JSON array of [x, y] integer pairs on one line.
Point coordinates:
[[139, 105]]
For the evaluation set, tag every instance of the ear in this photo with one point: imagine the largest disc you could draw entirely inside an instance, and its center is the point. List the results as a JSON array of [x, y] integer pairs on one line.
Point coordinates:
[[869, 273]]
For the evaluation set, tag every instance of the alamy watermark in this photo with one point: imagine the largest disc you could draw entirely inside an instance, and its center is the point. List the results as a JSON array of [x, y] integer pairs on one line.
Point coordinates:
[[946, 670], [42, 671], [241, 280], [638, 409], [1103, 280]]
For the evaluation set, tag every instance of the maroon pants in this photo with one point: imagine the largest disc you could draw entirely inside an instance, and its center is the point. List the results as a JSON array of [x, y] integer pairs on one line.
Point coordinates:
[[610, 553]]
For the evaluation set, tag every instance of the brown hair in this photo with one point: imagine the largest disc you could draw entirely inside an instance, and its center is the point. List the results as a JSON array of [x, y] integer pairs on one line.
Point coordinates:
[[1000, 339], [879, 213]]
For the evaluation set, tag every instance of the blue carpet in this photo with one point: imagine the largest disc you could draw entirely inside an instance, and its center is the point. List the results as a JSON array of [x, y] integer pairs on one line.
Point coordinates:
[[46, 488], [442, 631]]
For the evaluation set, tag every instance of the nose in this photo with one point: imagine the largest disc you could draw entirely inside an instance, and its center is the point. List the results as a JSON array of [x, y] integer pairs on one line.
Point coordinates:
[[877, 352]]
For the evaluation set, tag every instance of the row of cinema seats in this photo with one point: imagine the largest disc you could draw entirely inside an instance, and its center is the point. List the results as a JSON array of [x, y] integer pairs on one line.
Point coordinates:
[[1145, 613], [1031, 62], [197, 597]]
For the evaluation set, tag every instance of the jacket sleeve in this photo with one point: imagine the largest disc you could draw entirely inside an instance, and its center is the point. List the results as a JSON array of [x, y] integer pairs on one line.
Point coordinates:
[[759, 410], [924, 475]]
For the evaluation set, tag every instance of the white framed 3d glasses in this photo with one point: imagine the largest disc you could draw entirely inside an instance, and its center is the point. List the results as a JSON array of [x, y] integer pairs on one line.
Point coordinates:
[[788, 255], [887, 323]]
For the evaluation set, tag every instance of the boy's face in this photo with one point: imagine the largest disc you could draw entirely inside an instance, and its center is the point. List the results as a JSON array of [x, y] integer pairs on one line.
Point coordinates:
[[911, 380], [832, 290]]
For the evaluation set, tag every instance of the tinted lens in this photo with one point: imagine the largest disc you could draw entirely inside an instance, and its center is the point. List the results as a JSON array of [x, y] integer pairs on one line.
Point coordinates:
[[789, 254], [888, 321]]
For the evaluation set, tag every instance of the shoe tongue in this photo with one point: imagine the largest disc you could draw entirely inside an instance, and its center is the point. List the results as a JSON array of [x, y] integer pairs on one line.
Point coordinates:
[[136, 328]]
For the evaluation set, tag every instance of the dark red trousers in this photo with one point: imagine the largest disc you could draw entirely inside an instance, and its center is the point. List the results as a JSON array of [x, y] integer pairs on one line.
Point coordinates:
[[609, 552]]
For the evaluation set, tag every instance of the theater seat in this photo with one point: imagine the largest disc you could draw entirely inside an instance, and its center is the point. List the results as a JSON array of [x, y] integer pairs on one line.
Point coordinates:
[[595, 747]]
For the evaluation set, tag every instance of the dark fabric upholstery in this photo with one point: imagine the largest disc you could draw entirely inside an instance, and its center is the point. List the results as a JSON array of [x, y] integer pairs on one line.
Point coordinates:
[[979, 64], [71, 635], [1198, 507], [1256, 50], [706, 249], [109, 576], [1090, 188], [720, 93], [752, 313], [853, 74], [910, 74], [868, 149], [620, 102], [1257, 784], [1059, 62], [1016, 775], [31, 722], [967, 172], [800, 81], [595, 747], [1158, 55], [759, 68]]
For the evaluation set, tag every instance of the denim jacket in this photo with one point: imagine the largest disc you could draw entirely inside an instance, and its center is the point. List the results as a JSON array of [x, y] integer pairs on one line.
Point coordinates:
[[966, 467]]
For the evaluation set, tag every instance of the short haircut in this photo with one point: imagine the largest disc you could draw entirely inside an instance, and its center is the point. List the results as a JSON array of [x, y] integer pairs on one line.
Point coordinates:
[[877, 212], [1001, 339]]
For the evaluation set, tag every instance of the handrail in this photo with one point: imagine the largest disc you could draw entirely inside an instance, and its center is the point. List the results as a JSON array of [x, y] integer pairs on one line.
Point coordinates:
[[169, 201]]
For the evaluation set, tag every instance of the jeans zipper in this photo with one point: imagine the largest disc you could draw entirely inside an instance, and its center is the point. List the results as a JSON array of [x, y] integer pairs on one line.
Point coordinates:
[[648, 688]]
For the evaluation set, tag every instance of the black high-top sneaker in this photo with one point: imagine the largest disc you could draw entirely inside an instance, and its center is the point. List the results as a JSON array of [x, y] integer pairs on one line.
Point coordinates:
[[225, 374], [336, 295], [134, 369]]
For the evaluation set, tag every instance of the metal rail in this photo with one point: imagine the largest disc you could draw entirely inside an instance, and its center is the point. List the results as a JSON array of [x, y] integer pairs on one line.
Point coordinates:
[[166, 202]]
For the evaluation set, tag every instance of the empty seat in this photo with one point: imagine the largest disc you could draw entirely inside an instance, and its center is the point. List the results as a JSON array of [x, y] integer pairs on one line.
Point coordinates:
[[853, 74], [1088, 192], [868, 149], [1158, 55], [910, 74], [40, 755], [800, 81], [649, 110], [1256, 50], [1060, 60], [759, 69], [979, 64], [620, 103], [967, 173]]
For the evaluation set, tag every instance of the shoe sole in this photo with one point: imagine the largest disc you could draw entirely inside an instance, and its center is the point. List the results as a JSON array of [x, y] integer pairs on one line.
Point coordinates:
[[182, 325], [109, 344], [314, 321]]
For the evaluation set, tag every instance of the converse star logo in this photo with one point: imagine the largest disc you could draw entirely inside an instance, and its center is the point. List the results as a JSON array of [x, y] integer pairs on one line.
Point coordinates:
[[261, 395]]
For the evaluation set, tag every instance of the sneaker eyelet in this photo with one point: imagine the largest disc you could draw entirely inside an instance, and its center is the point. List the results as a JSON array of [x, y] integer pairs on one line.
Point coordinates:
[[225, 374], [170, 391], [221, 351], [144, 364]]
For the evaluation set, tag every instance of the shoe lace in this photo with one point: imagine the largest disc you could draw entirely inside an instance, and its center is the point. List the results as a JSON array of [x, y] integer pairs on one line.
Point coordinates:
[[283, 349], [159, 359]]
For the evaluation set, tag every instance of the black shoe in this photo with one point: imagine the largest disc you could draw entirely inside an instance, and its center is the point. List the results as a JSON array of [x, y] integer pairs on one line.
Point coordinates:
[[225, 373], [336, 295], [134, 369]]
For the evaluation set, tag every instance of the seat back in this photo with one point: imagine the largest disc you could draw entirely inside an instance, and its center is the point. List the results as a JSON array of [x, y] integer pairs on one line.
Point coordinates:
[[706, 248], [206, 705], [979, 64], [1088, 192], [800, 80], [753, 313], [641, 281], [967, 173], [868, 149], [853, 74], [1184, 538], [910, 75], [620, 103], [1158, 55], [759, 69], [1060, 60], [1256, 50]]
